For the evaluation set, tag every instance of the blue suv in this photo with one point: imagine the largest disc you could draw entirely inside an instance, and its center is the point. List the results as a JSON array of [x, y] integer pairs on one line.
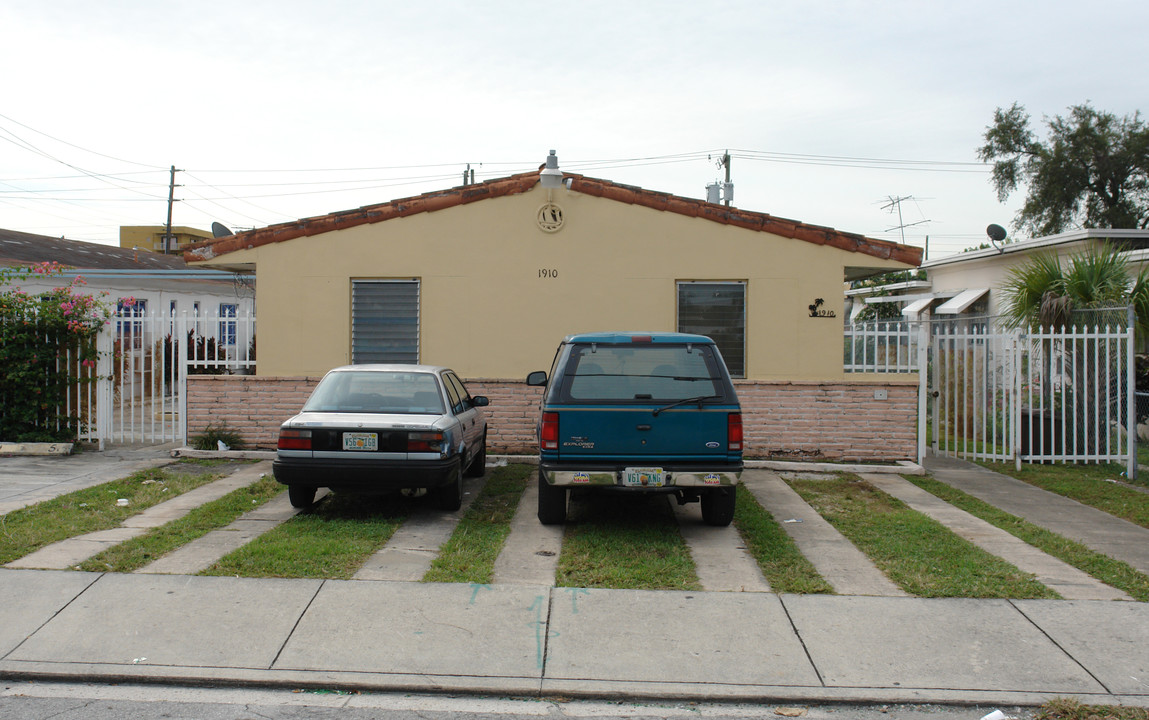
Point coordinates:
[[639, 413]]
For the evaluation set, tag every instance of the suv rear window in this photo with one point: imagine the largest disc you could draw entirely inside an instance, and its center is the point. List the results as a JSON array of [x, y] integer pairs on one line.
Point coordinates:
[[658, 372]]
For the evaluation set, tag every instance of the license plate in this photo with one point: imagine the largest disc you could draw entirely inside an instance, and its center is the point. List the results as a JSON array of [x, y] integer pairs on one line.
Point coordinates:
[[642, 477], [360, 441]]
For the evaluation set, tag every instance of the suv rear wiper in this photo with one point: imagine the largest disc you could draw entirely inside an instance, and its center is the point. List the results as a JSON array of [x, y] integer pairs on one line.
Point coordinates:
[[698, 400]]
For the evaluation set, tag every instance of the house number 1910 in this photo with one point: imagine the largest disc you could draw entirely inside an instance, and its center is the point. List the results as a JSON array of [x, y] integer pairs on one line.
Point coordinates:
[[550, 273]]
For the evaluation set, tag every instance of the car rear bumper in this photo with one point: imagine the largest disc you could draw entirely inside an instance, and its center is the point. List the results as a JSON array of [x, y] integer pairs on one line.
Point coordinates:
[[708, 475], [359, 474]]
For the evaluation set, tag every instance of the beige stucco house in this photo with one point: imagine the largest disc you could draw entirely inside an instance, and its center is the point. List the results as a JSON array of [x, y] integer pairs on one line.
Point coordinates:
[[488, 278]]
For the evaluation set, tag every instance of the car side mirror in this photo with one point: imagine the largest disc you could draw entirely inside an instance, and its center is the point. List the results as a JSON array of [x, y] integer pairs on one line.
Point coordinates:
[[480, 401], [538, 377]]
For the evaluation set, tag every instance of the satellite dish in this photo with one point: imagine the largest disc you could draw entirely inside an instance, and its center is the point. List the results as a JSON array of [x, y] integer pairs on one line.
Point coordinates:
[[996, 235], [219, 230]]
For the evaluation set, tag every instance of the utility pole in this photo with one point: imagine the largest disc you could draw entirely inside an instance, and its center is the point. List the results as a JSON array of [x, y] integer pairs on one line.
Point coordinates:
[[171, 199], [728, 188], [725, 190]]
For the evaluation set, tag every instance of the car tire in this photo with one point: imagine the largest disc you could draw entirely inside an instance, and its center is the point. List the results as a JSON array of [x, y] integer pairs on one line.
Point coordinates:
[[718, 506], [301, 496], [552, 503], [449, 497], [478, 464]]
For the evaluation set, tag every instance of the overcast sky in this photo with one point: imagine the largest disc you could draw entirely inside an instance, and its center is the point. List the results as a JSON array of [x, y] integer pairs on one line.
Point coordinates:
[[829, 109]]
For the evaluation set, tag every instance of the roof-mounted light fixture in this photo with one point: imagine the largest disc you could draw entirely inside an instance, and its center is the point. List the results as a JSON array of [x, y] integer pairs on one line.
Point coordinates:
[[550, 177]]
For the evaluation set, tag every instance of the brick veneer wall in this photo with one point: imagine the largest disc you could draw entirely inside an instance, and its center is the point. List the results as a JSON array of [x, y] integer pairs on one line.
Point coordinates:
[[824, 421]]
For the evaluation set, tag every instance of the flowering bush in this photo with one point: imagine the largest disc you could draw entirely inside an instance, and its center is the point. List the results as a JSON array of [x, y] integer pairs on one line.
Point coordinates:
[[47, 350]]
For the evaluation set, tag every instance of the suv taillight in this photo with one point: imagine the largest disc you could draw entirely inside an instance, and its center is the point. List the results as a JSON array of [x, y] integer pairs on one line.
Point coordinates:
[[294, 439], [734, 432], [549, 432]]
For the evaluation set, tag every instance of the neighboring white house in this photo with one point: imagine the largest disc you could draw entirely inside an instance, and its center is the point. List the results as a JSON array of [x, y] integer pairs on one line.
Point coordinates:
[[139, 283], [969, 284]]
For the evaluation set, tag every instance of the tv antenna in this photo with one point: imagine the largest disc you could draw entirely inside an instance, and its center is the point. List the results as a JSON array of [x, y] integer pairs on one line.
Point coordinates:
[[896, 204]]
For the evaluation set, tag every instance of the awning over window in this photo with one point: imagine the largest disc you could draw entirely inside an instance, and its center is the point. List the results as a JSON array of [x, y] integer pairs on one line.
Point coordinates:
[[958, 303], [912, 310]]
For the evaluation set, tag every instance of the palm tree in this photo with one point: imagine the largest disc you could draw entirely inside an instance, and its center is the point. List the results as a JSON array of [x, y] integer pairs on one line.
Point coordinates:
[[1041, 293]]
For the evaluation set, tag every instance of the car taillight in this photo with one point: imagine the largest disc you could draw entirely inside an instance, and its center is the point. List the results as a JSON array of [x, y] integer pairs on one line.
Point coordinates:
[[549, 432], [294, 439], [425, 442], [734, 432]]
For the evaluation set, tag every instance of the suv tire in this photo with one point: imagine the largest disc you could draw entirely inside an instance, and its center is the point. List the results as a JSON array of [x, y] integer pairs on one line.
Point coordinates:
[[718, 506], [552, 503]]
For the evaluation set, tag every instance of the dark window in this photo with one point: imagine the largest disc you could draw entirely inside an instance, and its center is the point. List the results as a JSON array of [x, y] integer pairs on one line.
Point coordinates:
[[453, 395], [718, 311], [642, 372], [384, 321], [460, 388]]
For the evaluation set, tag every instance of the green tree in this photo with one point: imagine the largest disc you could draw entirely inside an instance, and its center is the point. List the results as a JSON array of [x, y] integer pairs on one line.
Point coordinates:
[[1091, 171], [47, 350], [890, 311], [1043, 293]]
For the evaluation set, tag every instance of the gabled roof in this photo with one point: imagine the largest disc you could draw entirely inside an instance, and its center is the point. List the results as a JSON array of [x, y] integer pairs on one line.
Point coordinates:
[[22, 249], [516, 184]]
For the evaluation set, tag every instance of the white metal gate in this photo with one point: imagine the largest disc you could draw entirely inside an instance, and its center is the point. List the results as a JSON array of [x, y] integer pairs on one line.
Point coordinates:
[[139, 396], [1044, 396]]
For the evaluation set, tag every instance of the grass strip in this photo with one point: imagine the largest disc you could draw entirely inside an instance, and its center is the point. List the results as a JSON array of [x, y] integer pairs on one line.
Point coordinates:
[[330, 540], [625, 542], [1070, 709], [139, 551], [1106, 569], [921, 555], [1087, 484], [470, 553], [783, 565], [96, 508]]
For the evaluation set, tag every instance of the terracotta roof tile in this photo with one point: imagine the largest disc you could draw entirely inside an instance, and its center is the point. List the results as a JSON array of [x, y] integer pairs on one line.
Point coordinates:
[[517, 184]]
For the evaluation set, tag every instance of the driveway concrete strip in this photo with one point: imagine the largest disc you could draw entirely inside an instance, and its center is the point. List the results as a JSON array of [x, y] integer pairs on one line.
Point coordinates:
[[433, 630], [31, 598], [635, 637], [1110, 639], [835, 558], [1093, 528], [1068, 581], [167, 620], [960, 644], [720, 557], [530, 556], [72, 551], [408, 555], [28, 480], [203, 552]]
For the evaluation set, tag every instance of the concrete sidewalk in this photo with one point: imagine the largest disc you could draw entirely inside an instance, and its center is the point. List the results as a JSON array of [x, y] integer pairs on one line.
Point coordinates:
[[534, 640], [521, 636]]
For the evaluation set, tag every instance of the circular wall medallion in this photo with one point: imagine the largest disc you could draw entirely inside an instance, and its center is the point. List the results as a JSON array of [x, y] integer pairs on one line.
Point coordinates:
[[550, 218]]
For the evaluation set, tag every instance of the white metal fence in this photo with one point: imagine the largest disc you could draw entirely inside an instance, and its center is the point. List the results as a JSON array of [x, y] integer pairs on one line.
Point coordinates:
[[885, 347], [1013, 395], [139, 395]]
